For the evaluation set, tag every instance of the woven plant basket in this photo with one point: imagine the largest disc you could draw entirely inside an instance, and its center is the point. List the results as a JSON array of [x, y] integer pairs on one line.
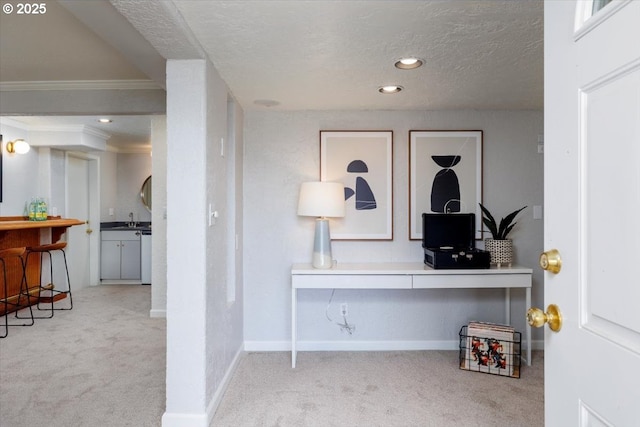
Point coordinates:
[[501, 251]]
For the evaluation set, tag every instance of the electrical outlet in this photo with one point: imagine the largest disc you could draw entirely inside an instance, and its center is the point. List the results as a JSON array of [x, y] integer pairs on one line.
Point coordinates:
[[344, 309]]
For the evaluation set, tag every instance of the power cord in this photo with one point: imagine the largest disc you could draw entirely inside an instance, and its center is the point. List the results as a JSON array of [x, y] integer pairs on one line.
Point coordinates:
[[344, 326]]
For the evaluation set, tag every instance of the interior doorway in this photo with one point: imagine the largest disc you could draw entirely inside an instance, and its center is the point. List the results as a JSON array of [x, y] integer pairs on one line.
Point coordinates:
[[83, 203]]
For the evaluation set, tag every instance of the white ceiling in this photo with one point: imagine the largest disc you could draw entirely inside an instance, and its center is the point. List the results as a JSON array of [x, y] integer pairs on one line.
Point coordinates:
[[302, 55], [335, 54]]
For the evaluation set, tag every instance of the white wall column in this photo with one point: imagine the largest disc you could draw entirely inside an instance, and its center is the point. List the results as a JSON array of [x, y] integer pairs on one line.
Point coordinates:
[[159, 216], [186, 243]]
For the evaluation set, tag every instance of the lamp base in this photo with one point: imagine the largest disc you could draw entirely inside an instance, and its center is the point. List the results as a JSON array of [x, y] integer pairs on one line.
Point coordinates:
[[322, 245]]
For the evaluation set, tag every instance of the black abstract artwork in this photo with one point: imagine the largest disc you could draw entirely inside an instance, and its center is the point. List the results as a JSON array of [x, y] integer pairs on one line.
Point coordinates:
[[445, 191], [365, 200]]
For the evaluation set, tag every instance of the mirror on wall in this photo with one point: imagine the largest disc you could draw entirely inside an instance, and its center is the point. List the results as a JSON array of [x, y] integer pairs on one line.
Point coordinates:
[[145, 193]]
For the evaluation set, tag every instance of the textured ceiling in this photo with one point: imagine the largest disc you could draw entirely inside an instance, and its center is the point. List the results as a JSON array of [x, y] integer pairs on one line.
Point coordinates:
[[298, 55], [335, 54]]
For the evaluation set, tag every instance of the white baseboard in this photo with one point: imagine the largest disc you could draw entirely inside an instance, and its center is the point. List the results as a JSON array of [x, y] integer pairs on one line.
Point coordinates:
[[350, 345], [204, 420], [362, 345], [157, 313], [212, 407], [267, 346], [376, 345], [184, 420], [120, 282]]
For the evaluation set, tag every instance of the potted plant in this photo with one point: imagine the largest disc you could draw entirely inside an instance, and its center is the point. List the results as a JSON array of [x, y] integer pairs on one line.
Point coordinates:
[[499, 246]]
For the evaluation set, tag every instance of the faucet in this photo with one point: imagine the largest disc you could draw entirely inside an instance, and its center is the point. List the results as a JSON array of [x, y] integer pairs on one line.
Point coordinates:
[[131, 222]]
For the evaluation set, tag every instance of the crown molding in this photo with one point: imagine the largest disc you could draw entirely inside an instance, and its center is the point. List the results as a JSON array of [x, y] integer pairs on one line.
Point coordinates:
[[55, 128], [13, 123], [88, 130], [79, 85]]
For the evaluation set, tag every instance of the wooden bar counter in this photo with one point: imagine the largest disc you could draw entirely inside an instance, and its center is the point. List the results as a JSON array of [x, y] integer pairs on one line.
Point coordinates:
[[17, 231]]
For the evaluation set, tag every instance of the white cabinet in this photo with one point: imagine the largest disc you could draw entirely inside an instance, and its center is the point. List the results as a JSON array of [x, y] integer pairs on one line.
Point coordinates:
[[145, 262], [120, 255]]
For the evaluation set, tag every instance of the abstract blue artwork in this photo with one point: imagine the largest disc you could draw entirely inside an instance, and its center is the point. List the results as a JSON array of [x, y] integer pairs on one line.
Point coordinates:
[[362, 162], [364, 195]]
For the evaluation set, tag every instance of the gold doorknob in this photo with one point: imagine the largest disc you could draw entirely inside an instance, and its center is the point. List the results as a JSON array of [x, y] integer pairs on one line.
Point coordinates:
[[551, 261], [89, 231], [553, 317]]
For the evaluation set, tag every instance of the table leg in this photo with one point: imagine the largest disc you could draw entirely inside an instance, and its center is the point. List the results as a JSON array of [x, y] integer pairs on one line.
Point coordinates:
[[507, 305], [294, 309]]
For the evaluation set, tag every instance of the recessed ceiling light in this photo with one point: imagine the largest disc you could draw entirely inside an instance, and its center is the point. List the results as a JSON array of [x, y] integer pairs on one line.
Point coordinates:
[[390, 89], [409, 63], [105, 120]]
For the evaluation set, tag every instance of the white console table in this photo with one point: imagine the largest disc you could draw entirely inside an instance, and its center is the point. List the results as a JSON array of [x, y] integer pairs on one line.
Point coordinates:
[[407, 276]]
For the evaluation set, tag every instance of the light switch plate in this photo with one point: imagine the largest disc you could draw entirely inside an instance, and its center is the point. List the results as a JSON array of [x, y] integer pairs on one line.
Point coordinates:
[[537, 212]]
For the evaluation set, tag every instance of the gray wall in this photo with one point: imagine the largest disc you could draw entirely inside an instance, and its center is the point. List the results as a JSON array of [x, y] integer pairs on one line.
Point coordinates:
[[19, 174], [282, 151], [121, 178]]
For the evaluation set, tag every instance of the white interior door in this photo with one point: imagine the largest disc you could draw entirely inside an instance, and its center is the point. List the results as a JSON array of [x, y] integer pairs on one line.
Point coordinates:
[[592, 197], [82, 253]]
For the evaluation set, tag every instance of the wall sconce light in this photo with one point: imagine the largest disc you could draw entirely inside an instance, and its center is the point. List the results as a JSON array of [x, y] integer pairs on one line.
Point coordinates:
[[19, 146], [321, 200]]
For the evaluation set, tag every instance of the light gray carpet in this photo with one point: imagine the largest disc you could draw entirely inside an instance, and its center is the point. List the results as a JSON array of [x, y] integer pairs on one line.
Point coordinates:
[[103, 364], [421, 388], [100, 364]]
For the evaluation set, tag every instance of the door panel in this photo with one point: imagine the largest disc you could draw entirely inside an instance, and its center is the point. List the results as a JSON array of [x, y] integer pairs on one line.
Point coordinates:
[[610, 111], [130, 259], [110, 260], [78, 207], [592, 197]]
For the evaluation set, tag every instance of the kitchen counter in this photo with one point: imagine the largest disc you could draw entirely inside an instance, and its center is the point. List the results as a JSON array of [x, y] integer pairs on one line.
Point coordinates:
[[57, 225], [21, 223], [18, 231], [143, 226]]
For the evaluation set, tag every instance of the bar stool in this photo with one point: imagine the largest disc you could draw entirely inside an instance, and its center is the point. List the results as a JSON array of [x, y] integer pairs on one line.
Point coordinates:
[[5, 255], [48, 294]]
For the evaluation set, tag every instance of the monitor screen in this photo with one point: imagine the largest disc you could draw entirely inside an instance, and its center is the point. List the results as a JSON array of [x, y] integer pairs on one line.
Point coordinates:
[[441, 230]]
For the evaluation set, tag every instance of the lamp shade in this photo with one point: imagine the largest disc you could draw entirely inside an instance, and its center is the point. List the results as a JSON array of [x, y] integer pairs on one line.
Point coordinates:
[[321, 199]]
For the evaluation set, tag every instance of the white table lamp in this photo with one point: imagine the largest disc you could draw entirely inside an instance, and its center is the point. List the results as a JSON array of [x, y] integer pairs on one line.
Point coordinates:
[[322, 200]]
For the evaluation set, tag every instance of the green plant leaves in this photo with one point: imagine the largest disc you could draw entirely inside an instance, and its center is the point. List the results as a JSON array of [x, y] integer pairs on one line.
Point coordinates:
[[506, 224]]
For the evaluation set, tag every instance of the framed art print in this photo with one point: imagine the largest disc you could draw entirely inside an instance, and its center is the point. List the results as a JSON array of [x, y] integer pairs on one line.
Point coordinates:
[[363, 162], [445, 176]]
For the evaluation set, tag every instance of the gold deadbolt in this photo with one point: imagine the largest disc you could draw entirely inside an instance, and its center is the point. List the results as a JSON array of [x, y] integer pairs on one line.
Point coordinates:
[[537, 318], [551, 261]]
